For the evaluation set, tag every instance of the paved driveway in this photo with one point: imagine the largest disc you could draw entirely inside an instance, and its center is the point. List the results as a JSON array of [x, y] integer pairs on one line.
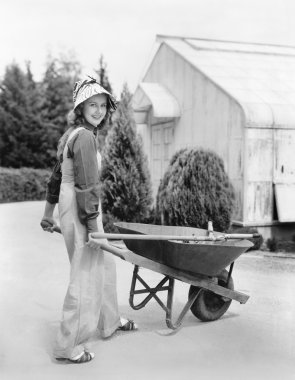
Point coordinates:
[[252, 341]]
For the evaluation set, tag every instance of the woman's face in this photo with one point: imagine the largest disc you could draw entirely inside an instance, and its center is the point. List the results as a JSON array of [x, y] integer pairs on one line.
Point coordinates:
[[95, 109]]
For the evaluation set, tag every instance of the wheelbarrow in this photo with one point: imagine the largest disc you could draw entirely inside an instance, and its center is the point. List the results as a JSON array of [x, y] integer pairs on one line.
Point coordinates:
[[195, 256]]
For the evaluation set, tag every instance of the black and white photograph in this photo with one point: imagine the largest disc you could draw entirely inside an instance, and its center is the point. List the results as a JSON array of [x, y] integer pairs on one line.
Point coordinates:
[[147, 190]]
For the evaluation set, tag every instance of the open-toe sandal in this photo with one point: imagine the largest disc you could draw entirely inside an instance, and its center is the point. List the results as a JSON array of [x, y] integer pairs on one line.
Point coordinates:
[[128, 326], [84, 358]]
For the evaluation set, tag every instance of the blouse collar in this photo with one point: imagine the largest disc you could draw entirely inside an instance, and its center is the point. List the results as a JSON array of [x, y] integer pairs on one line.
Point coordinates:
[[91, 128]]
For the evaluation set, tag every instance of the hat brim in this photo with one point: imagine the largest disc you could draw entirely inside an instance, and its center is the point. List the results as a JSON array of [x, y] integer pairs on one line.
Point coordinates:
[[84, 90]]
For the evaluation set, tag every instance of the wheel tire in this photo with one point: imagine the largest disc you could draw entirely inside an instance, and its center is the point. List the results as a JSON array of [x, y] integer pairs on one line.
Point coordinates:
[[210, 306]]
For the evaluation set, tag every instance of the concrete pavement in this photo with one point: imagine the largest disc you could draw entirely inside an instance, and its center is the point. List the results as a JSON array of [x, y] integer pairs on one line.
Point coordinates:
[[251, 341]]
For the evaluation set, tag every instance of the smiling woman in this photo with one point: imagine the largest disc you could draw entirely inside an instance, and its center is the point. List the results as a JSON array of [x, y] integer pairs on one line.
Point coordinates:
[[95, 109], [91, 300]]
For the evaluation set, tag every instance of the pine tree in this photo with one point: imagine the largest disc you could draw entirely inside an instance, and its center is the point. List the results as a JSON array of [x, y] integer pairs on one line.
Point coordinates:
[[21, 129], [57, 88], [103, 80], [33, 115], [126, 187], [103, 75]]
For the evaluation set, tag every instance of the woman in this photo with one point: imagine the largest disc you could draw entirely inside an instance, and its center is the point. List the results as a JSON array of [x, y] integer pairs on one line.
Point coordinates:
[[91, 299]]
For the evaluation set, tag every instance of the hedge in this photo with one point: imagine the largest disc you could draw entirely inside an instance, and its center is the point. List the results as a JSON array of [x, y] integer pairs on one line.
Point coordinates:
[[25, 184]]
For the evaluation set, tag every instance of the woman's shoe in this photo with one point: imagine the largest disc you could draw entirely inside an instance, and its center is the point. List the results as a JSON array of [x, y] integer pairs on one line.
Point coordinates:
[[85, 357], [127, 325]]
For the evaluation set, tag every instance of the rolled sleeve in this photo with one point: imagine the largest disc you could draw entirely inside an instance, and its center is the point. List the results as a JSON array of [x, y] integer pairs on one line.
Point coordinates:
[[83, 150], [53, 185]]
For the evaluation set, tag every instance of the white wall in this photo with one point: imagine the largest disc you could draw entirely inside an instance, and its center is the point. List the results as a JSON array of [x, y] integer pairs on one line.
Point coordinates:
[[210, 118]]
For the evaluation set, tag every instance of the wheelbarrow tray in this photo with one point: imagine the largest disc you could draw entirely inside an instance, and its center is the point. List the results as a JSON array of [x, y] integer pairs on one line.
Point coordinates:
[[207, 258], [200, 283]]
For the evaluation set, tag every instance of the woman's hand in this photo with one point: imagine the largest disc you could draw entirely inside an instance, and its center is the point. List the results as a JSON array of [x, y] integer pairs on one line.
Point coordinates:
[[93, 243], [48, 224]]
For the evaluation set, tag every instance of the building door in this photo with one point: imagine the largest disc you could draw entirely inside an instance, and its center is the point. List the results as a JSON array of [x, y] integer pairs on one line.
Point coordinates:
[[284, 174], [162, 150], [284, 156]]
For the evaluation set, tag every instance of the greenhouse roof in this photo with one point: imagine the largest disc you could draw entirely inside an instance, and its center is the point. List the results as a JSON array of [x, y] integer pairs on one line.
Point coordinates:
[[260, 77]]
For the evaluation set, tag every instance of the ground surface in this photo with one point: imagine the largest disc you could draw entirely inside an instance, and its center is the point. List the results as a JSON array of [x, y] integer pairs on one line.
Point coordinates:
[[251, 341]]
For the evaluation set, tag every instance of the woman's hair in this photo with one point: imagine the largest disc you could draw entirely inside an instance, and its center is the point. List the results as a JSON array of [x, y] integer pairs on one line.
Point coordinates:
[[75, 119]]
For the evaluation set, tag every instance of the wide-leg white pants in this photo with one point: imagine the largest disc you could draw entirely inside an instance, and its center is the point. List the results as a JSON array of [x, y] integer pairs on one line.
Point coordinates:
[[91, 299]]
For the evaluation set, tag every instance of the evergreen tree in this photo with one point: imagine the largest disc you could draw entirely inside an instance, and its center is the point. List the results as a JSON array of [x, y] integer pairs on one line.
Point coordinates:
[[126, 187], [33, 115], [102, 73], [57, 88], [103, 80], [21, 129]]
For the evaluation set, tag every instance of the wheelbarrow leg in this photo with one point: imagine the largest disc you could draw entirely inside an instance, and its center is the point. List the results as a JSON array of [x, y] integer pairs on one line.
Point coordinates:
[[151, 293], [230, 272], [147, 290], [187, 306]]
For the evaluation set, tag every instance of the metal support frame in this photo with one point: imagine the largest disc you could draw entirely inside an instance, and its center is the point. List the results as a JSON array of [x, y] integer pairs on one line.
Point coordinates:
[[151, 293], [230, 272]]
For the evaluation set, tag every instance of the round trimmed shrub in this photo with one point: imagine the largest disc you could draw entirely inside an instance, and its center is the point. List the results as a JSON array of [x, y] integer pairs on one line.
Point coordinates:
[[108, 221], [194, 190]]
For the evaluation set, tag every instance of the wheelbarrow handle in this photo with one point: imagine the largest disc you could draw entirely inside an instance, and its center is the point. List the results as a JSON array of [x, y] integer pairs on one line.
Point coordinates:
[[98, 235], [57, 229], [242, 236]]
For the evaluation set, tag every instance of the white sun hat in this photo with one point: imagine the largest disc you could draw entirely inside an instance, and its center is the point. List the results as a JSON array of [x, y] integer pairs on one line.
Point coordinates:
[[86, 88]]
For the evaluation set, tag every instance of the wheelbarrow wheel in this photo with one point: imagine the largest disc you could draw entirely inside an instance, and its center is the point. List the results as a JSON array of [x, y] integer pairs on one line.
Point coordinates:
[[210, 306]]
